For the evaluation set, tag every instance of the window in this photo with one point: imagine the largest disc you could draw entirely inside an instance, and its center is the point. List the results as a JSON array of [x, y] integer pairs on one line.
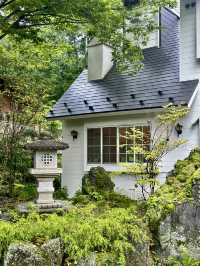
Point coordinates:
[[110, 145], [94, 145]]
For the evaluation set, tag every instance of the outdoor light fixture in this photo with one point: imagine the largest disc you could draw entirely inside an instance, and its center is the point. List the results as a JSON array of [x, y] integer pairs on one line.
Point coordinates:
[[179, 129], [74, 134]]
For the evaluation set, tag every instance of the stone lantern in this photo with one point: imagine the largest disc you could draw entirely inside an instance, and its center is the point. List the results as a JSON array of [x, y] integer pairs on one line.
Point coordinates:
[[45, 167]]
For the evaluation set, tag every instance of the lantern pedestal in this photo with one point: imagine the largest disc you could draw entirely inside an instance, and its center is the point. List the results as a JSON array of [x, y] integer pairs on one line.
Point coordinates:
[[45, 188]]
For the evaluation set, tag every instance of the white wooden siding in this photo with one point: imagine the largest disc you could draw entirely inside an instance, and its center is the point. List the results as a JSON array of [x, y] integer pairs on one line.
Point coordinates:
[[198, 28], [189, 64], [73, 158]]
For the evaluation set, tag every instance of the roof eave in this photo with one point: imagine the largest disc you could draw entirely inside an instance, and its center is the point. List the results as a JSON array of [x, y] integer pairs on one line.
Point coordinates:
[[108, 113]]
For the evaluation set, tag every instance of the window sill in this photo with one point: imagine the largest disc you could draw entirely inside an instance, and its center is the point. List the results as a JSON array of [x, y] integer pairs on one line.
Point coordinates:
[[107, 167]]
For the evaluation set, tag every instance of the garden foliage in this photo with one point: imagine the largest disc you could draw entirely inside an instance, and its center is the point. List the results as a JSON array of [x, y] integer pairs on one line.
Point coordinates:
[[110, 233], [97, 180], [108, 224], [178, 188]]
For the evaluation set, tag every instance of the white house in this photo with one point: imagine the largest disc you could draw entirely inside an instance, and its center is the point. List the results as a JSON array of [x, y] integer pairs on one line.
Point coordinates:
[[102, 104]]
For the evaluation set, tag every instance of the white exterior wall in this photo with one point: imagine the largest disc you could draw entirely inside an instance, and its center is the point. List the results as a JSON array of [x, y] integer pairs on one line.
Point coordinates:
[[75, 158], [73, 162], [189, 64], [198, 28], [191, 133]]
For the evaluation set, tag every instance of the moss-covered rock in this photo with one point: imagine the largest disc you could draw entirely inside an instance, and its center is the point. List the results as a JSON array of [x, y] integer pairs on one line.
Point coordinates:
[[54, 250], [181, 229], [24, 254]]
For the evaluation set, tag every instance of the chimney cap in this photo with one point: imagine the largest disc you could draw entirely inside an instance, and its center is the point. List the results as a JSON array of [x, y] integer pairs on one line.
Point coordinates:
[[95, 42]]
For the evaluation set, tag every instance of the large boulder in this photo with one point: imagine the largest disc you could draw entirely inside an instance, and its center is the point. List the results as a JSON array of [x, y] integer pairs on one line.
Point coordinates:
[[88, 261], [54, 250], [181, 229], [24, 254], [141, 256]]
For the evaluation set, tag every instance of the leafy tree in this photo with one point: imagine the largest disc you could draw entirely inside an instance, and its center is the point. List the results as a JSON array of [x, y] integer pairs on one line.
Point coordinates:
[[108, 20], [157, 145], [31, 77]]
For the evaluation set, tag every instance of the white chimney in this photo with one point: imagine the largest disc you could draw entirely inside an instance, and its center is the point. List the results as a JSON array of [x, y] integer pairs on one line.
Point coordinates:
[[99, 60]]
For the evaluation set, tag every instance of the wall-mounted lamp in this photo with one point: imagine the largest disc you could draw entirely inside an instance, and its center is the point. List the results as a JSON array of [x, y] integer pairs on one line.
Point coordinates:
[[179, 129], [74, 134]]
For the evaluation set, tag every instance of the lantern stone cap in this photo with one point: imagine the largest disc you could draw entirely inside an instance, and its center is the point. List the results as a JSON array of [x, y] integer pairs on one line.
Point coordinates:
[[46, 144]]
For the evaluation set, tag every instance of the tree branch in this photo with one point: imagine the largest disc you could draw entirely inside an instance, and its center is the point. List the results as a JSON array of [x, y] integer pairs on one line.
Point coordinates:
[[5, 3]]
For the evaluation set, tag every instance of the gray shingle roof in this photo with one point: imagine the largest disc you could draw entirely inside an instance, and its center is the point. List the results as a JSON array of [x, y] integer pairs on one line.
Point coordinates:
[[154, 86]]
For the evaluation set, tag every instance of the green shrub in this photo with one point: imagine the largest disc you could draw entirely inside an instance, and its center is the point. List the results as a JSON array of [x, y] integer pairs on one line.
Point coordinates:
[[117, 200], [111, 233], [109, 199], [81, 199], [184, 260], [97, 180], [25, 192], [61, 194]]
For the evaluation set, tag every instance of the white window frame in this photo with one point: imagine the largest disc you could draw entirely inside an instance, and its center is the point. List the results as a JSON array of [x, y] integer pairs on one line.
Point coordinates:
[[107, 166]]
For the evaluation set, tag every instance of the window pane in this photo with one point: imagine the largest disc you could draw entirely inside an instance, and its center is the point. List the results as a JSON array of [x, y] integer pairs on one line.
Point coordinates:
[[109, 145], [130, 158], [94, 145], [139, 135], [130, 135], [146, 135], [122, 148], [122, 157], [122, 134]]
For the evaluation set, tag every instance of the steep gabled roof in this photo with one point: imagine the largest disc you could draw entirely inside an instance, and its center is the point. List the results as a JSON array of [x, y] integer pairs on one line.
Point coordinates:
[[153, 87]]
